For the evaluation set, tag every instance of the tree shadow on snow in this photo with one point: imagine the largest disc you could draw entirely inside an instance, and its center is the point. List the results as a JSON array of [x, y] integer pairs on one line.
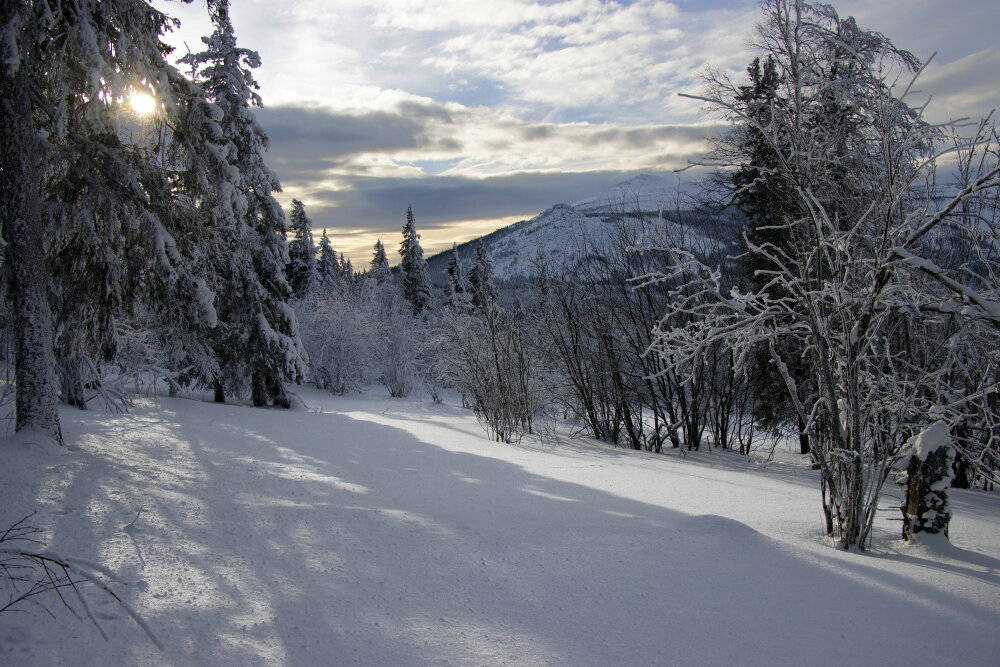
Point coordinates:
[[314, 538]]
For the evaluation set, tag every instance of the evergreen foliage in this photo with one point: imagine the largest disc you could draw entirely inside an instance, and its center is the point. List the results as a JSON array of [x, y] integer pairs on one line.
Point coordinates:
[[456, 290], [88, 207], [413, 267], [303, 273], [379, 266], [258, 340], [328, 269], [484, 291]]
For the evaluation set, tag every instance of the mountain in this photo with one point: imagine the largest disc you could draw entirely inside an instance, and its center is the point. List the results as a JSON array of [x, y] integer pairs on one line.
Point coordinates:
[[555, 236]]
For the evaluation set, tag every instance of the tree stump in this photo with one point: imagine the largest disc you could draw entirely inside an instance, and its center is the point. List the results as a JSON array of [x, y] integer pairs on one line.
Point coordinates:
[[928, 475]]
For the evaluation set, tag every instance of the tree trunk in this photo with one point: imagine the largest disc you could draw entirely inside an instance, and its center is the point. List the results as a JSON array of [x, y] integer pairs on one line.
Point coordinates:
[[71, 380], [278, 395], [962, 474], [258, 390], [36, 401], [220, 393], [804, 447]]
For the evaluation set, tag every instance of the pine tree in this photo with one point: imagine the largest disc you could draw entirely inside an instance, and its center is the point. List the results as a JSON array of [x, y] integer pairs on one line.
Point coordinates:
[[413, 267], [328, 266], [484, 291], [379, 267], [303, 274], [258, 341]]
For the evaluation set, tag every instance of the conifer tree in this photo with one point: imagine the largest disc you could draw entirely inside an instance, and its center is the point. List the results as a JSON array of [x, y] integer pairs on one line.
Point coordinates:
[[484, 291], [456, 290], [76, 192], [327, 266], [413, 267], [379, 267], [258, 340], [302, 271]]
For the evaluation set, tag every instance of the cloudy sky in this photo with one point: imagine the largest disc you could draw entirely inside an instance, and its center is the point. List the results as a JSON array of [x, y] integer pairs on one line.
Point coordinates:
[[480, 113]]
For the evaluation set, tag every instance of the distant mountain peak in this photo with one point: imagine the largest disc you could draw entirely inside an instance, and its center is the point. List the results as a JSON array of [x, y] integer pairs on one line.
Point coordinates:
[[554, 234]]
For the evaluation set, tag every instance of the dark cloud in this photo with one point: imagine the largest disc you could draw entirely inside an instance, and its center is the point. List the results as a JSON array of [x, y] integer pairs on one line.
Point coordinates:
[[301, 136], [310, 147], [380, 204], [537, 132], [412, 109]]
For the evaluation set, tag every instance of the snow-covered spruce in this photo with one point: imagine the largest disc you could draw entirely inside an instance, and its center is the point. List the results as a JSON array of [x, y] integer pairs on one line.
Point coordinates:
[[413, 267], [86, 194], [257, 340], [303, 269]]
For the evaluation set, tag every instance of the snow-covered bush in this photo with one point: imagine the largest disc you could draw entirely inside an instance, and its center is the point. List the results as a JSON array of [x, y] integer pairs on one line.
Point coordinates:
[[397, 336], [336, 326]]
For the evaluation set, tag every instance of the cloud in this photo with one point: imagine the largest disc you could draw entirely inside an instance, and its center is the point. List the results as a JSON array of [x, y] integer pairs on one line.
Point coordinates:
[[298, 130], [418, 137], [453, 163], [481, 111], [970, 85]]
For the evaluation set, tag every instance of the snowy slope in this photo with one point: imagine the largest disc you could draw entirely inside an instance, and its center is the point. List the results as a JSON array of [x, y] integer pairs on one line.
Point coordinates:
[[554, 235], [645, 192], [377, 531]]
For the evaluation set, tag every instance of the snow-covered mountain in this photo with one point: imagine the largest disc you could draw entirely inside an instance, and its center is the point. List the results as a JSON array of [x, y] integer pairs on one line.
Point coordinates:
[[554, 236]]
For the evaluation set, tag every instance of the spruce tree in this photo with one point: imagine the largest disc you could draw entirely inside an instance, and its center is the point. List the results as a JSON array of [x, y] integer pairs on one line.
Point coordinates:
[[327, 266], [258, 342], [303, 274], [379, 267], [456, 290], [346, 269], [484, 291], [82, 205], [413, 267]]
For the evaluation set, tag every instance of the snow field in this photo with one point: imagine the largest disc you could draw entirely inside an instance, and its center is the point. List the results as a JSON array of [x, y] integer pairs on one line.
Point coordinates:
[[378, 531]]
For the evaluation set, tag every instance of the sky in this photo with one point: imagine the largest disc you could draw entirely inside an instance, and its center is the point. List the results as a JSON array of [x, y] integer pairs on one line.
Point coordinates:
[[480, 113]]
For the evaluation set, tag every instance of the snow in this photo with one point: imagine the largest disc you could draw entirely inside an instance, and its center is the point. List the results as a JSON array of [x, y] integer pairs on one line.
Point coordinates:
[[925, 443], [378, 531], [556, 236]]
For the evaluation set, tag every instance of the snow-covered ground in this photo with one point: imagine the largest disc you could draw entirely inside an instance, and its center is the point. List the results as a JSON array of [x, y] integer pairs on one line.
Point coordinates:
[[377, 531]]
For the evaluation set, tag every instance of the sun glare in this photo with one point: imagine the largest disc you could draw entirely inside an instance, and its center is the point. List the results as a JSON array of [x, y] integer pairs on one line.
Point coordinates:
[[142, 103]]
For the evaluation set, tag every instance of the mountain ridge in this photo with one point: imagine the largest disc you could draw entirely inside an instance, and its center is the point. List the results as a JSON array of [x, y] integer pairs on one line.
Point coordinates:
[[553, 235]]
